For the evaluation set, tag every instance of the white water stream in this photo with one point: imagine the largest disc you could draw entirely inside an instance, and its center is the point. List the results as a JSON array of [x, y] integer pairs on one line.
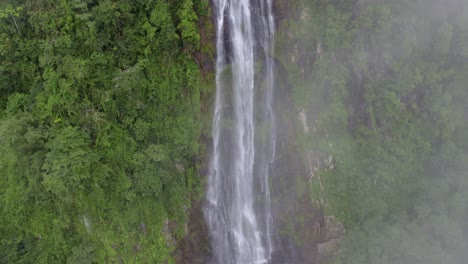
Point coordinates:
[[238, 198]]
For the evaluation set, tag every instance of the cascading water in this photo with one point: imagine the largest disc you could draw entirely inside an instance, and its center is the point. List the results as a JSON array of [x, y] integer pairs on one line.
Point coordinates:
[[238, 197]]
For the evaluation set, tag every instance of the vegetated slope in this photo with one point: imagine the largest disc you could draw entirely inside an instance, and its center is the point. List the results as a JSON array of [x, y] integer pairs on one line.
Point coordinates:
[[99, 123], [381, 87]]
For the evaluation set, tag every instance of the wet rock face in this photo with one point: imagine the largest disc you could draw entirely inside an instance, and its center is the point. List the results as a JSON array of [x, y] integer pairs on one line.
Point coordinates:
[[309, 231], [318, 238], [195, 247], [305, 234]]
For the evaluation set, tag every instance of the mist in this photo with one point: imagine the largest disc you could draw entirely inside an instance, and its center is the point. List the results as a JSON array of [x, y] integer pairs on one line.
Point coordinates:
[[373, 131]]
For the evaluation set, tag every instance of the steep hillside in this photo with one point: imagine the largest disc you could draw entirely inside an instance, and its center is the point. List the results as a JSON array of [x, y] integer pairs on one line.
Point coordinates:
[[100, 119]]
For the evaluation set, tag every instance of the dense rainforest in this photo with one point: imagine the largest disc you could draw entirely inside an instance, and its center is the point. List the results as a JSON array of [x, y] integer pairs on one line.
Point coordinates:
[[381, 87], [105, 108], [99, 123]]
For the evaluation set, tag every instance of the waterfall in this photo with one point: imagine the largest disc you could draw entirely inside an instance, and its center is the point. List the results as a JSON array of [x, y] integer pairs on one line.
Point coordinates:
[[238, 210]]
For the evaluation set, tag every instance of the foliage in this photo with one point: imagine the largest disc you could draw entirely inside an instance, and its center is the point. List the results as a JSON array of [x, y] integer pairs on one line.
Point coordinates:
[[99, 123], [383, 84]]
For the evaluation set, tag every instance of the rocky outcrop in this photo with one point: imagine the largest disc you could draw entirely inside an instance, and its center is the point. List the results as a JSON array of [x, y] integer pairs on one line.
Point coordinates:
[[328, 249], [333, 235], [318, 161]]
